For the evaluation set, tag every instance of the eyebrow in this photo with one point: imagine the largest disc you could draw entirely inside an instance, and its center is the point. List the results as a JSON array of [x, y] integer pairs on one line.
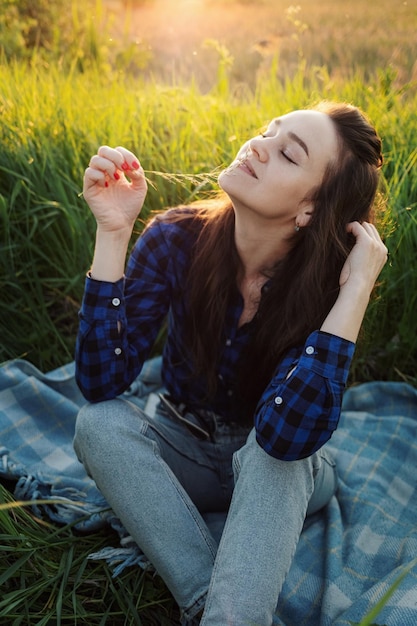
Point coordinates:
[[294, 137], [299, 141]]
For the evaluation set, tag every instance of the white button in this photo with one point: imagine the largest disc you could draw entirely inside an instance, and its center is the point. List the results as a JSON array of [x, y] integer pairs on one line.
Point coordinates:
[[115, 302], [278, 400], [310, 350], [117, 351], [228, 342]]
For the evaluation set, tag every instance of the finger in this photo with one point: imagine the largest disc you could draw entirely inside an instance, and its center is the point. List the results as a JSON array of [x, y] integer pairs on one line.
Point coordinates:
[[378, 246], [93, 177], [133, 169], [104, 165], [376, 233], [366, 232], [371, 230], [355, 228], [137, 180], [111, 154], [122, 158], [130, 161], [359, 229]]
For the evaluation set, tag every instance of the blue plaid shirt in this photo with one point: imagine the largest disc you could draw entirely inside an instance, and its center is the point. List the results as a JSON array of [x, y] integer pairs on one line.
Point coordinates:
[[119, 323]]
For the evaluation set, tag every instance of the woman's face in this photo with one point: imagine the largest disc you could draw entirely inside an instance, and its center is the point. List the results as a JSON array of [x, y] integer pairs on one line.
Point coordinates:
[[274, 173]]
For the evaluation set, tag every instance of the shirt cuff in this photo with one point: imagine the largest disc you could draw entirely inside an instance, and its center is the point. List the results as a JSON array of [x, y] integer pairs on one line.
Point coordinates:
[[328, 355], [103, 300]]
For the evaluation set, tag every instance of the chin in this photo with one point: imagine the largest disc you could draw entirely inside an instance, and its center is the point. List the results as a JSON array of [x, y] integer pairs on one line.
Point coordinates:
[[226, 179], [221, 179]]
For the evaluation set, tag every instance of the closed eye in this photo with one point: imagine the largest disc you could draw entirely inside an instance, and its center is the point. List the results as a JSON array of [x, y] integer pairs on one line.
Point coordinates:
[[265, 136], [288, 158]]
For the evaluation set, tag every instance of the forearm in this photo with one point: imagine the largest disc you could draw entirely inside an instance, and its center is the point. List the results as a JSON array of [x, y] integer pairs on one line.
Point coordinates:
[[346, 316], [357, 280], [110, 255]]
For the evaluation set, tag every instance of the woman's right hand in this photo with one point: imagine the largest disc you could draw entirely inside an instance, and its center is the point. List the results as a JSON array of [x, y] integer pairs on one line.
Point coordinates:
[[114, 200]]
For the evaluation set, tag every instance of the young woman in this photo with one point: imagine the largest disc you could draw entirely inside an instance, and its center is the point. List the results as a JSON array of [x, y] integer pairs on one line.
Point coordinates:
[[265, 293]]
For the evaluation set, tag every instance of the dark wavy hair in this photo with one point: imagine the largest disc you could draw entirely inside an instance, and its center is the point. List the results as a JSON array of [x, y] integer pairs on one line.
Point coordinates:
[[305, 284]]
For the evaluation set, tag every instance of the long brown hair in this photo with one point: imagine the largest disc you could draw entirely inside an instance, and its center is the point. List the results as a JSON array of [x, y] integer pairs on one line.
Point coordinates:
[[304, 285]]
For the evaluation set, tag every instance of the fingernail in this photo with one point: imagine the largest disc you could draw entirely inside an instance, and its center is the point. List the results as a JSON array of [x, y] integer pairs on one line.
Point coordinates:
[[125, 166], [116, 176], [106, 184], [135, 165]]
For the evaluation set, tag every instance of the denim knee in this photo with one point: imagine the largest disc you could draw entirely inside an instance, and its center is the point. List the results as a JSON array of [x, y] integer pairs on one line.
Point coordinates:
[[95, 425]]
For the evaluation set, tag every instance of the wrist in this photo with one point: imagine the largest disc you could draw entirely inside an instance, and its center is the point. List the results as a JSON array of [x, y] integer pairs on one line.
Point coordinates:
[[119, 236], [346, 316], [110, 255], [358, 291]]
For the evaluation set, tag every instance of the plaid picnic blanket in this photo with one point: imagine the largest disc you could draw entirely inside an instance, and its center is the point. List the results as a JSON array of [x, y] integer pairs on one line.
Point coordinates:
[[37, 420], [349, 553]]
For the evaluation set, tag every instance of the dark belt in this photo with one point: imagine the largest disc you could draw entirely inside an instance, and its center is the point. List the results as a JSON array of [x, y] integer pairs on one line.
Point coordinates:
[[179, 413]]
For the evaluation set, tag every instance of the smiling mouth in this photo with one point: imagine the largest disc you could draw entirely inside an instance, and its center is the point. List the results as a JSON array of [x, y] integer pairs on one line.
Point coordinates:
[[246, 167]]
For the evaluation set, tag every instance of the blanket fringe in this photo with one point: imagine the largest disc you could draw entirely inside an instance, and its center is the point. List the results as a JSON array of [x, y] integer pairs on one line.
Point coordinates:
[[118, 559], [127, 555]]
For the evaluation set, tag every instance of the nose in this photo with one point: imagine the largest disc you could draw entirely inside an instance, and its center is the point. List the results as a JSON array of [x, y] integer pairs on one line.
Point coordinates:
[[259, 149]]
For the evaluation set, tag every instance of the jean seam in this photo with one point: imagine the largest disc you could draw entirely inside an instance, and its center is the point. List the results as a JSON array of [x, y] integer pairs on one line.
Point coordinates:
[[174, 481], [195, 608]]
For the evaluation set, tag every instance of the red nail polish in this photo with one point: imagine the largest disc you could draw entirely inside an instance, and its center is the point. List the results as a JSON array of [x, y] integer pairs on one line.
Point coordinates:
[[116, 176], [106, 184], [135, 165], [125, 166]]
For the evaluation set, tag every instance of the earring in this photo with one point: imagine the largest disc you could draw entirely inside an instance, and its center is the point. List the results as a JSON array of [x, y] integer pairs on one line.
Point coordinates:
[[296, 227]]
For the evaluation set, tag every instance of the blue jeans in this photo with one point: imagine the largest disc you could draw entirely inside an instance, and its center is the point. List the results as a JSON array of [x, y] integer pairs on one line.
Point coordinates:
[[161, 480]]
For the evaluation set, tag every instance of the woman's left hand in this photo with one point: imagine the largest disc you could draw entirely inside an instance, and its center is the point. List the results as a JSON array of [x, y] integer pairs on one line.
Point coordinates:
[[366, 259], [357, 279]]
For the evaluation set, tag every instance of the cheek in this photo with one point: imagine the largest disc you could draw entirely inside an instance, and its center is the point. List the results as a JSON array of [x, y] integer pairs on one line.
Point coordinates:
[[243, 150]]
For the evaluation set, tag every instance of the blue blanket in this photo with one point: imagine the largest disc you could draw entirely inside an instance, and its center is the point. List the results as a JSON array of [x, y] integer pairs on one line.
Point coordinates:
[[349, 553]]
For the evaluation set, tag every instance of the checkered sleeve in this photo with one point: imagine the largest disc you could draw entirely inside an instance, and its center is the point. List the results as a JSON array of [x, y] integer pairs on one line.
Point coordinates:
[[120, 321], [300, 408]]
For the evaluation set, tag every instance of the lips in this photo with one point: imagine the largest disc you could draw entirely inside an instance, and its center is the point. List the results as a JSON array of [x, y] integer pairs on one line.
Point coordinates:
[[246, 167]]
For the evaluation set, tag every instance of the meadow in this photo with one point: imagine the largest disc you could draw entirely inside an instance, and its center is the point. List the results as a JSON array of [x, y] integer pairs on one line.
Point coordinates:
[[183, 94]]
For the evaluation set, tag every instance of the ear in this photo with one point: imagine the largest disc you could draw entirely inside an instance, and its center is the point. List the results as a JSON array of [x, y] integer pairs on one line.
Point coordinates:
[[304, 214]]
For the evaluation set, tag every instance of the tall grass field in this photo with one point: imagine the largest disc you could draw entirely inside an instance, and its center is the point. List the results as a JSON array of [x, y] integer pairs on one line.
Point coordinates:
[[183, 99]]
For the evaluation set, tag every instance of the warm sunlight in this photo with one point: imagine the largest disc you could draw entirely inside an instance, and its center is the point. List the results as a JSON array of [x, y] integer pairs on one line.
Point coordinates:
[[95, 102]]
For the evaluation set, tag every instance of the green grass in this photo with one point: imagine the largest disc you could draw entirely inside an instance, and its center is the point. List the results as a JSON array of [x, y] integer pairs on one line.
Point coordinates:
[[45, 578], [184, 125], [50, 125]]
